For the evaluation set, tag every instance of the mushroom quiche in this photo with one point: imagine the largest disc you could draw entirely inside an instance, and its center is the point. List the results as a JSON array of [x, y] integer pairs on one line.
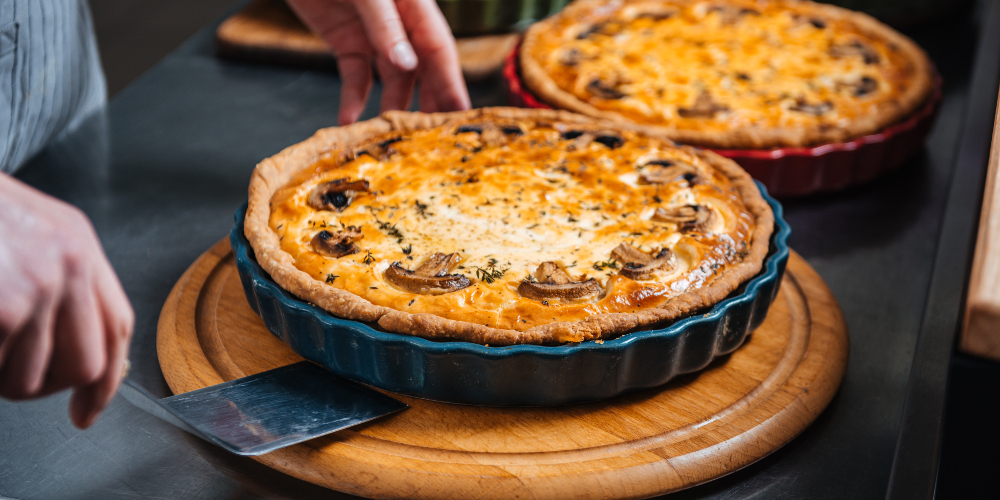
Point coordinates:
[[505, 226], [728, 73]]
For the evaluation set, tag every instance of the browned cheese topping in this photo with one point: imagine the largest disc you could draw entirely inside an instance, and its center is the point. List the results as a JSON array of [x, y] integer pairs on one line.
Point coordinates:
[[720, 65], [512, 225]]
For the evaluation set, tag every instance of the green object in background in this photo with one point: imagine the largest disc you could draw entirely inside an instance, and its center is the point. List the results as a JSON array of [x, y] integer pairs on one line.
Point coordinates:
[[484, 17]]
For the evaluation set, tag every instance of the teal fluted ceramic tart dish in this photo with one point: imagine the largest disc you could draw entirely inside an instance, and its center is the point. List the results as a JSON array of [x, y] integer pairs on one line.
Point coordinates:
[[520, 375]]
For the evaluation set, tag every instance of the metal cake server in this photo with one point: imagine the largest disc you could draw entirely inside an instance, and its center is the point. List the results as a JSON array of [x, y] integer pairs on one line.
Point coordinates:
[[270, 410]]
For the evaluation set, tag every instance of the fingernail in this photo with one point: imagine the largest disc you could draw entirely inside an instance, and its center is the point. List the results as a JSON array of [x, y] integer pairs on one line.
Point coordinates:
[[403, 56]]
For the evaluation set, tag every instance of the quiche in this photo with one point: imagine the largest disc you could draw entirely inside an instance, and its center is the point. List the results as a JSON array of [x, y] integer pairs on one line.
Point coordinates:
[[505, 226], [733, 74]]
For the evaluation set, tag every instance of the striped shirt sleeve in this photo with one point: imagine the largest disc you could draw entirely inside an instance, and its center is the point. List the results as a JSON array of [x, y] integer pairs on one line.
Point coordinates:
[[50, 74]]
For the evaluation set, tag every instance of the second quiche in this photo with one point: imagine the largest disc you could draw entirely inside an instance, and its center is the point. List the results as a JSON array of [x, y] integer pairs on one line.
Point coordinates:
[[728, 73]]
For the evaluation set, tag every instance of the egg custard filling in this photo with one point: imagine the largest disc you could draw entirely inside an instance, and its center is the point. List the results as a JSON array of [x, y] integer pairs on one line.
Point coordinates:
[[509, 226]]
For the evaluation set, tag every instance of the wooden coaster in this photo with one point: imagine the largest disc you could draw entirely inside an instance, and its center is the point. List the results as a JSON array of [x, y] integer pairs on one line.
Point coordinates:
[[694, 429], [268, 31]]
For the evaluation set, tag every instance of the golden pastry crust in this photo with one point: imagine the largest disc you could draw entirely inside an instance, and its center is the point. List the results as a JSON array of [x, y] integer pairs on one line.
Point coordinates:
[[505, 226], [734, 74]]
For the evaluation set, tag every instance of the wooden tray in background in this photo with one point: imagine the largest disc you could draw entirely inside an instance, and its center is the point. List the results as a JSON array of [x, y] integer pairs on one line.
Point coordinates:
[[981, 326], [267, 31], [692, 430]]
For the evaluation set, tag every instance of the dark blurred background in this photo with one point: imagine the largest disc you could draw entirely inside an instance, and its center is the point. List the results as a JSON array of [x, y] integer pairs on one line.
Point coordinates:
[[134, 34]]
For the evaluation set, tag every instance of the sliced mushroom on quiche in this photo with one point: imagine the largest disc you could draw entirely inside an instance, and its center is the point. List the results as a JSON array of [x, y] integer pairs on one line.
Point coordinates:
[[431, 278], [705, 106], [639, 265], [689, 218], [337, 194], [336, 245], [551, 282], [657, 170]]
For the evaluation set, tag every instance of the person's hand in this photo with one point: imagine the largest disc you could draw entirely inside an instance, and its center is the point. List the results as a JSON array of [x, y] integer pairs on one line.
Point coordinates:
[[65, 321], [407, 40]]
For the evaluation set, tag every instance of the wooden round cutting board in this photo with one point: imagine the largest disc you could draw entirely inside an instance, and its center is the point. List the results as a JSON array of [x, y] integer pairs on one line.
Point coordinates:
[[694, 429]]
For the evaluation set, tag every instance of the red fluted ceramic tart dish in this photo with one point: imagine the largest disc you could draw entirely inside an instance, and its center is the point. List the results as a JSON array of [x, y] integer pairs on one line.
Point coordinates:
[[768, 83]]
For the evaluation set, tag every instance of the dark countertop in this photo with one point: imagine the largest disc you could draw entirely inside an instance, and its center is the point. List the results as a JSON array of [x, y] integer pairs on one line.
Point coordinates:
[[161, 173]]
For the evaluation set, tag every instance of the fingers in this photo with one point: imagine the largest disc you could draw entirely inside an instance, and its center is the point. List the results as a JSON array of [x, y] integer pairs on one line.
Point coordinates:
[[428, 99], [89, 400], [397, 87], [440, 71], [23, 372], [114, 304], [406, 43], [447, 89], [356, 82], [386, 33], [17, 299], [339, 25], [392, 54], [79, 356]]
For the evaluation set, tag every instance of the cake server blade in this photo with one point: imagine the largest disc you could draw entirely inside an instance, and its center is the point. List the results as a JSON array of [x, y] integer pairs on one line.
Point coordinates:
[[270, 410]]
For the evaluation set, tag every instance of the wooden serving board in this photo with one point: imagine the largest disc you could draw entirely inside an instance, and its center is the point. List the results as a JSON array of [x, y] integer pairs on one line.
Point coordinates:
[[692, 430], [268, 31]]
